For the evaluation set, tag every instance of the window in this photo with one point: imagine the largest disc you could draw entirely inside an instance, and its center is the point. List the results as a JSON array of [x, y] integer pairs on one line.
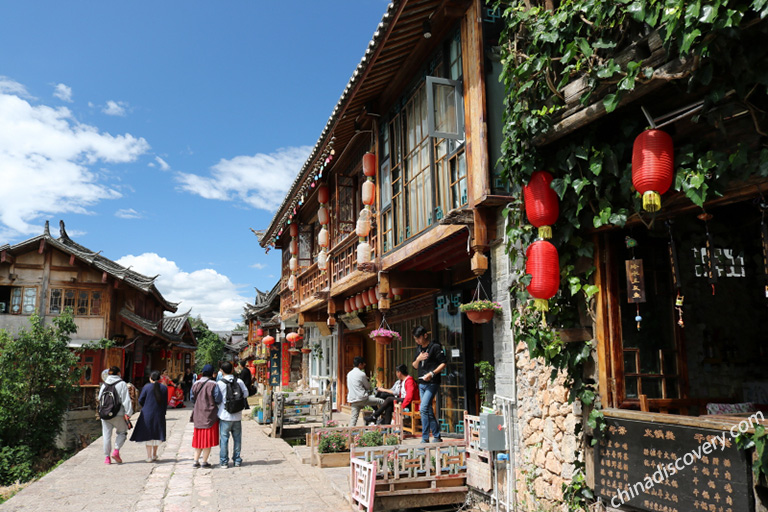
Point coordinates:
[[305, 245], [18, 300], [423, 170], [347, 208], [81, 302]]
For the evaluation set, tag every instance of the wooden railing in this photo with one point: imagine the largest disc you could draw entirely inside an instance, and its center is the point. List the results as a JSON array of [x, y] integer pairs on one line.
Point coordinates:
[[343, 259], [288, 303], [311, 281], [363, 484], [350, 434]]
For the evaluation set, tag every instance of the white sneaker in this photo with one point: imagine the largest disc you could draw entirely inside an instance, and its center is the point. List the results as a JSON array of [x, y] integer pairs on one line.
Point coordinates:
[[149, 459]]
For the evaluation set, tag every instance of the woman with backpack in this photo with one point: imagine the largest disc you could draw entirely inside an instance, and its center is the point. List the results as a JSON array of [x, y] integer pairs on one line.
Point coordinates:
[[204, 416], [150, 427]]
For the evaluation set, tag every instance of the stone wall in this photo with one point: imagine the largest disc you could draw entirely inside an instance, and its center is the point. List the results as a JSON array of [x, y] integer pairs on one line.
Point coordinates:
[[547, 443], [503, 344]]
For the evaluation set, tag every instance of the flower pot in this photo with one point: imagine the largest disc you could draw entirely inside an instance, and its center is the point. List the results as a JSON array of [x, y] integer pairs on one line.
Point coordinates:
[[383, 340], [306, 350], [480, 317]]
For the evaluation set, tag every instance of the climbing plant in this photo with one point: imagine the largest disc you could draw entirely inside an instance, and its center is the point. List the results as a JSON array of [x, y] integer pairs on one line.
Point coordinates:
[[549, 47]]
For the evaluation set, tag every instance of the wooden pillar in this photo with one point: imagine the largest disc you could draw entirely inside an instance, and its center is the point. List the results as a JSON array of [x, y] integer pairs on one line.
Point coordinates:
[[476, 127], [384, 301], [382, 376], [480, 242]]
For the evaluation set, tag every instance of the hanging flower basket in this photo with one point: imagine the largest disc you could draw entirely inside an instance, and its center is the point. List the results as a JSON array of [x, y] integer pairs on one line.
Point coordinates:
[[306, 350], [384, 336], [480, 311]]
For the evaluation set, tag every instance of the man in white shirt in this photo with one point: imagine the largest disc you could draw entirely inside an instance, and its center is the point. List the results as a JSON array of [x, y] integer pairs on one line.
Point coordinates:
[[231, 407], [359, 390]]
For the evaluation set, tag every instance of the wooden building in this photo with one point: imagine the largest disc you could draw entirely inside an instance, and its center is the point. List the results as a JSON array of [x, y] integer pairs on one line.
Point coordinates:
[[46, 275], [411, 133]]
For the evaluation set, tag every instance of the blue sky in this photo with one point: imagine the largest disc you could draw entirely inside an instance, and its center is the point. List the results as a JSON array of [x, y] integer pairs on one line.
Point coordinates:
[[160, 132]]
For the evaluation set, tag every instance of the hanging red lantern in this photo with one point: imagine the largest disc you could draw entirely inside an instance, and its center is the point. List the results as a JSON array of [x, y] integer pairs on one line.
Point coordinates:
[[358, 302], [294, 247], [322, 215], [541, 204], [369, 193], [397, 293], [292, 337], [366, 300], [178, 356], [323, 194], [369, 164], [294, 229], [543, 264], [372, 298], [347, 308], [162, 353], [268, 341], [259, 332], [653, 167]]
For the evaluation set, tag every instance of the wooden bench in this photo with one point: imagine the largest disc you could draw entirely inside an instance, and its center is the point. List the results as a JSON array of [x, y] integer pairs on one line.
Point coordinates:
[[413, 425]]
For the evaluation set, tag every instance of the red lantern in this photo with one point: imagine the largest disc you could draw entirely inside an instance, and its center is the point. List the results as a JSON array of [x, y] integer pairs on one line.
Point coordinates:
[[178, 356], [347, 309], [162, 353], [323, 194], [358, 302], [294, 229], [294, 247], [653, 166], [369, 193], [322, 215], [268, 341], [541, 204], [369, 164], [397, 293], [543, 264], [292, 337], [366, 300], [372, 298], [259, 332]]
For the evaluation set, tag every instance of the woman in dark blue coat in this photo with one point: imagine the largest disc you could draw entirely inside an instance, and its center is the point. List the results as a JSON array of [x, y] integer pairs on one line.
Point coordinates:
[[150, 428]]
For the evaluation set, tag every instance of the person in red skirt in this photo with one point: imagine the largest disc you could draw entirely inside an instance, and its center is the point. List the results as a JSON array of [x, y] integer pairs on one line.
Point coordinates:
[[205, 417]]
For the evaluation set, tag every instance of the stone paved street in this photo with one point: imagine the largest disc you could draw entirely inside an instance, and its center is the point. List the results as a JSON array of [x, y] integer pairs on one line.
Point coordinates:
[[271, 479]]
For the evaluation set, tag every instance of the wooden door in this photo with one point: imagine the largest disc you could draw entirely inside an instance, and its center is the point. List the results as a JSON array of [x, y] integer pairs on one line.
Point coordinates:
[[114, 357], [352, 346]]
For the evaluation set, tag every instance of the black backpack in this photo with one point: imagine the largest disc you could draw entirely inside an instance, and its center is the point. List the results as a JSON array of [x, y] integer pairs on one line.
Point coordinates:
[[235, 400], [109, 403]]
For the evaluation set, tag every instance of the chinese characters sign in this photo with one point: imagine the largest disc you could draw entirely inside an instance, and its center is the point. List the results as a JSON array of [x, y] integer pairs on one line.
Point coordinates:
[[274, 367], [635, 281]]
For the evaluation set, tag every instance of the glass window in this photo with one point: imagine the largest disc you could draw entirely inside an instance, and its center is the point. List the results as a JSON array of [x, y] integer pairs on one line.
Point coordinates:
[[96, 303], [30, 299], [54, 306], [445, 108], [69, 299], [82, 303], [16, 301]]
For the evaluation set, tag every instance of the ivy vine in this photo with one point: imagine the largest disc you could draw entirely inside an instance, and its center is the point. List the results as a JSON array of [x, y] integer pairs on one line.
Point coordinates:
[[586, 44]]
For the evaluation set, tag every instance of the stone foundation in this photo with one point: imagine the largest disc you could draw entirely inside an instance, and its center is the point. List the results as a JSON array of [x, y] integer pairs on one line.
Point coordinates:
[[78, 429]]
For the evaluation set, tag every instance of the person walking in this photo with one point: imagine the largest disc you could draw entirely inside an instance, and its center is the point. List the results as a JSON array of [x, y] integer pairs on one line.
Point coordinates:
[[430, 361], [205, 416], [245, 376], [188, 381], [150, 427], [115, 410], [231, 395], [359, 390]]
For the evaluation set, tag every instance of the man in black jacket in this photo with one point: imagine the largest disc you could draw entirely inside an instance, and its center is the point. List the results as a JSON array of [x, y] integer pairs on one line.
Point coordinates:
[[245, 376], [430, 361]]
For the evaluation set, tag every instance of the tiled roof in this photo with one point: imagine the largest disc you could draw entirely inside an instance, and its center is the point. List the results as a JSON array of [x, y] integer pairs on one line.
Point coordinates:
[[169, 331], [96, 260]]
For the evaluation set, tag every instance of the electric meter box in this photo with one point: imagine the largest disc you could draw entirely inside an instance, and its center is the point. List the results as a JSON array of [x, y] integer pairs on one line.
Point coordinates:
[[492, 433]]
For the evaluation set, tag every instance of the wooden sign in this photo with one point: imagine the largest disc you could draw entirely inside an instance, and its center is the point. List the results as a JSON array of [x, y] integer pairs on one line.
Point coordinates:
[[635, 453], [635, 281], [274, 367]]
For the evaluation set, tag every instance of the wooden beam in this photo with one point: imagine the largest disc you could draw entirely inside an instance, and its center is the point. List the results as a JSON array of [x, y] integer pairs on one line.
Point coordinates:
[[602, 334], [418, 245], [416, 280], [41, 250], [312, 316], [6, 257], [104, 277], [384, 301], [72, 260], [476, 125]]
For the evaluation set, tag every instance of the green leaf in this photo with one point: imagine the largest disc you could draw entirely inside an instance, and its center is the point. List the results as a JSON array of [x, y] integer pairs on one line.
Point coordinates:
[[559, 186], [688, 39], [584, 46], [590, 290], [610, 102]]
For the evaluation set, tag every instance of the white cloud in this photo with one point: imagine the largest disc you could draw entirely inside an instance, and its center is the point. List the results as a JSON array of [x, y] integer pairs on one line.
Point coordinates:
[[127, 213], [261, 180], [115, 108], [63, 92], [259, 266], [162, 163], [48, 161], [8, 86], [210, 294]]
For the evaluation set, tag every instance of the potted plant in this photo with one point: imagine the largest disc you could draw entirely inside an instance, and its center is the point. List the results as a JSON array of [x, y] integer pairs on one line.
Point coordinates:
[[385, 336], [480, 311], [332, 450]]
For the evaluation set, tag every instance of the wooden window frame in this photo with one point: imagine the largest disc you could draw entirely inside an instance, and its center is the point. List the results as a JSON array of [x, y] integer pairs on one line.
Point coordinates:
[[90, 300]]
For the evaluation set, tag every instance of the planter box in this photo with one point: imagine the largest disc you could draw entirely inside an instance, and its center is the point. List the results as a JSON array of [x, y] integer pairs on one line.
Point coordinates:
[[331, 460]]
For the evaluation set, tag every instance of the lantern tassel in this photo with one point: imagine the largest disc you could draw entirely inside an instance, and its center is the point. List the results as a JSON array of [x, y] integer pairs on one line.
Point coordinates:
[[651, 201], [545, 232], [541, 305]]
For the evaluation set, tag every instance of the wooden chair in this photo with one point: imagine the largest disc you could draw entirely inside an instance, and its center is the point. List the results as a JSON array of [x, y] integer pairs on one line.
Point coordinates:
[[411, 419]]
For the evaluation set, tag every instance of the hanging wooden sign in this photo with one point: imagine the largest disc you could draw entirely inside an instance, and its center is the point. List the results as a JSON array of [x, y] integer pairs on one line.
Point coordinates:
[[635, 281]]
